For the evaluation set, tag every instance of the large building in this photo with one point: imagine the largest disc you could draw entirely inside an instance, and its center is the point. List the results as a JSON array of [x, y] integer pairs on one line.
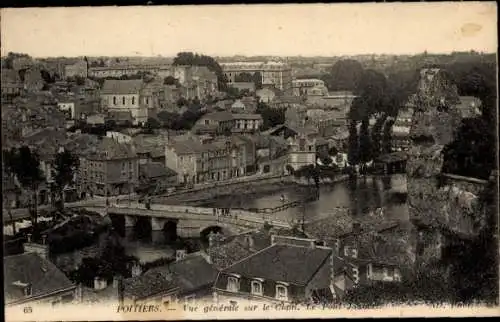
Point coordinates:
[[132, 96], [217, 160], [273, 74], [290, 270], [217, 123], [110, 168], [78, 69], [309, 87], [119, 70]]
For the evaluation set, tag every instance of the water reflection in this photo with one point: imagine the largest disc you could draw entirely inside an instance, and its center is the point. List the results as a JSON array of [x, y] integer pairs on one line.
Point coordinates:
[[147, 247], [358, 196]]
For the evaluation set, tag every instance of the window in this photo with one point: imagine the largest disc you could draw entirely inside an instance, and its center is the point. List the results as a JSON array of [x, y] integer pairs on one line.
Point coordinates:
[[232, 284], [385, 272], [257, 287], [281, 292], [133, 100], [123, 100], [114, 100], [397, 275], [147, 101], [207, 122]]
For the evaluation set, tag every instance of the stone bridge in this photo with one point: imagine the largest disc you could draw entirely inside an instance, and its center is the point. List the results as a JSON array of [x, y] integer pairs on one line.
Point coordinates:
[[188, 221]]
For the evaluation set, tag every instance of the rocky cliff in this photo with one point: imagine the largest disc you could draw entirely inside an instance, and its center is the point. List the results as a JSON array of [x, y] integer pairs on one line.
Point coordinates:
[[442, 206]]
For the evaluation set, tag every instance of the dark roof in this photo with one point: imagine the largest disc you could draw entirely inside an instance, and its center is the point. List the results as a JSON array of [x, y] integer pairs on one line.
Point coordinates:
[[219, 116], [190, 274], [244, 116], [110, 149], [186, 146], [129, 86], [296, 265], [121, 115], [155, 169], [148, 285], [44, 276]]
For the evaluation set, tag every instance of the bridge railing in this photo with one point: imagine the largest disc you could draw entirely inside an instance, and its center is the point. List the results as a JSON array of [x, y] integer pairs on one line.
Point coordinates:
[[239, 217]]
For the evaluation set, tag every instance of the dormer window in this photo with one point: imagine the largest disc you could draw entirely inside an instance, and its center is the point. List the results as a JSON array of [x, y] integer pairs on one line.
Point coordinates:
[[233, 284], [281, 291], [257, 287]]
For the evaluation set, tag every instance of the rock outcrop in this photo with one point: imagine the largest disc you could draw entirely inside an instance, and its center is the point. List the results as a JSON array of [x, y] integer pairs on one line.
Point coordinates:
[[442, 206]]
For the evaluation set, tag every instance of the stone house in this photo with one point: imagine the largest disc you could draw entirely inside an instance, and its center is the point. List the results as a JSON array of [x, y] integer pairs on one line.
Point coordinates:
[[128, 95], [290, 270], [110, 168]]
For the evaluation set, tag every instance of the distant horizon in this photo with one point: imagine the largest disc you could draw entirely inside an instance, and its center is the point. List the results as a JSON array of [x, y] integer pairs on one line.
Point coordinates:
[[264, 55], [288, 30]]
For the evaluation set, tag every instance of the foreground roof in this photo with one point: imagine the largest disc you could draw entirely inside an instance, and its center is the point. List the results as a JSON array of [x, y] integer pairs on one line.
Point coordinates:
[[286, 263], [44, 277]]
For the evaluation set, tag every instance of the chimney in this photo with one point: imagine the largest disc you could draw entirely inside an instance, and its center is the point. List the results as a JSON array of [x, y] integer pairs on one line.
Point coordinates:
[[273, 239]]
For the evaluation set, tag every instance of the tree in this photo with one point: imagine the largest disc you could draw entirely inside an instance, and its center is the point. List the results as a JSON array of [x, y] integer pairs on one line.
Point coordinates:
[[170, 80], [387, 137], [344, 75], [65, 166], [233, 92], [377, 135], [271, 117], [167, 119], [257, 80], [182, 102], [244, 78], [152, 124], [353, 148], [365, 143], [25, 164]]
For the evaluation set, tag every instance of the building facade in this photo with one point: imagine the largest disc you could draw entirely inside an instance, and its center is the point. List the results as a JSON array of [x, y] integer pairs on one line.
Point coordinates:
[[111, 168], [273, 74], [215, 160], [129, 95], [309, 87]]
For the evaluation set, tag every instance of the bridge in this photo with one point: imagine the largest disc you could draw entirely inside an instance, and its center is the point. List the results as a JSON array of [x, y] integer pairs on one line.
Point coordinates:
[[187, 221]]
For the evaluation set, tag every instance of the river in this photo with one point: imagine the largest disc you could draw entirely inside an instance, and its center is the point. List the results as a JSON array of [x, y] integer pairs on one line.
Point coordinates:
[[358, 196]]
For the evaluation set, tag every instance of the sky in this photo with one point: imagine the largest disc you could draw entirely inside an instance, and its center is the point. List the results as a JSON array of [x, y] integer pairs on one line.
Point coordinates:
[[251, 30]]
